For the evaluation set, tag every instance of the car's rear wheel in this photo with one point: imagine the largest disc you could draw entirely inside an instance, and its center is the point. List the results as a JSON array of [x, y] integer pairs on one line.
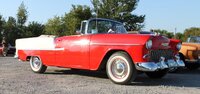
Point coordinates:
[[120, 68], [37, 65], [157, 74]]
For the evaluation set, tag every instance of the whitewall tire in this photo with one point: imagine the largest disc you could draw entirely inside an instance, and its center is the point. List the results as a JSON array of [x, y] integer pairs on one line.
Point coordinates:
[[37, 65], [120, 68]]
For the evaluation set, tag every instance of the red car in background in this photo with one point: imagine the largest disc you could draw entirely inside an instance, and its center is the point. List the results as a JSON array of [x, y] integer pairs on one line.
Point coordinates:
[[1, 49], [103, 44], [10, 50]]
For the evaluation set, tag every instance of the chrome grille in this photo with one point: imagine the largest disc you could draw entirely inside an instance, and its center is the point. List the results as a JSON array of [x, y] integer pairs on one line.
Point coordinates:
[[156, 54]]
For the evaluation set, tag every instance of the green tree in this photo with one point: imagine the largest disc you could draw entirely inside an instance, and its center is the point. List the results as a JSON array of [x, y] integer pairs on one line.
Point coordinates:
[[10, 30], [73, 19], [34, 29], [55, 26], [120, 10], [179, 36], [2, 22], [164, 33], [22, 16], [69, 23], [193, 31]]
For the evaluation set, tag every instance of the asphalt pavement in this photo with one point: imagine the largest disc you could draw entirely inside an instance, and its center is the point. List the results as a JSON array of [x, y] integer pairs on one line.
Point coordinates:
[[16, 77]]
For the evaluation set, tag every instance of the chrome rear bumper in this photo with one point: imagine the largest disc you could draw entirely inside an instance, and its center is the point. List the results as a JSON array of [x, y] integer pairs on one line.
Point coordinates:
[[163, 64]]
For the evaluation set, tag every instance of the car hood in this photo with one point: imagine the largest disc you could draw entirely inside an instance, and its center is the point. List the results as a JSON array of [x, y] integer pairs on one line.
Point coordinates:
[[159, 42]]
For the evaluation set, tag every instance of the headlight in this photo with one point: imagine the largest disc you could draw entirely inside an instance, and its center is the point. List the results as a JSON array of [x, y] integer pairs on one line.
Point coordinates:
[[178, 46], [149, 44]]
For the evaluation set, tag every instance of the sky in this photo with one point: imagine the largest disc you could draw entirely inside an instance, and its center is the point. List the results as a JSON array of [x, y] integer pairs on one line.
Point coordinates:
[[160, 14]]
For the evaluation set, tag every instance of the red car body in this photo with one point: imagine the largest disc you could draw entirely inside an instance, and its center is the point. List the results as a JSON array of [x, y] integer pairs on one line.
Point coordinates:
[[92, 51], [88, 51]]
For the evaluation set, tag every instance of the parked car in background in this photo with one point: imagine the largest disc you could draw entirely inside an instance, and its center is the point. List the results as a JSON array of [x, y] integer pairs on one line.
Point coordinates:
[[103, 44], [9, 50], [1, 49], [190, 52]]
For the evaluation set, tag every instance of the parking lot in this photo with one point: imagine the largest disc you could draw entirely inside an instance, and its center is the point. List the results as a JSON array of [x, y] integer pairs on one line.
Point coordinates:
[[16, 77]]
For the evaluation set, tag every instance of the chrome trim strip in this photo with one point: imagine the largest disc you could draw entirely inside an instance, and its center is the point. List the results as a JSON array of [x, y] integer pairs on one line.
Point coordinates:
[[114, 44], [54, 49], [57, 49]]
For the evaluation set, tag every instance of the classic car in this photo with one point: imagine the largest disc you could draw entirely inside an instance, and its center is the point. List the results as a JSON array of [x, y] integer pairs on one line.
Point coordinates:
[[103, 44], [10, 50], [1, 49], [190, 52]]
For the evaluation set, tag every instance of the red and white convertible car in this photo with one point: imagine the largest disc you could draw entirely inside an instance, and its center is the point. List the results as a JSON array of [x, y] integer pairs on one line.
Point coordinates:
[[103, 44]]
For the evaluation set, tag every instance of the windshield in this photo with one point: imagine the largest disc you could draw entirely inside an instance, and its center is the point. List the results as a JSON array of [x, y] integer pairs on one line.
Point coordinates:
[[105, 26], [194, 39]]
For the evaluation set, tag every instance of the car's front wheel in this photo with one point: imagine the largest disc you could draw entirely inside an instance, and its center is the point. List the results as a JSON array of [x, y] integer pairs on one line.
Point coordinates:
[[37, 65], [120, 68]]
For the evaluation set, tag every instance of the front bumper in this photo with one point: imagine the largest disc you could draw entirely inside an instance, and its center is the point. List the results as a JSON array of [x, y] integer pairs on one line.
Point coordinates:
[[163, 64], [193, 61]]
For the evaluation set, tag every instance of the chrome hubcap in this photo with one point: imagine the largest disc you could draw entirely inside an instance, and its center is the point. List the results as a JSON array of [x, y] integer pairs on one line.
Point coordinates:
[[36, 63], [119, 69]]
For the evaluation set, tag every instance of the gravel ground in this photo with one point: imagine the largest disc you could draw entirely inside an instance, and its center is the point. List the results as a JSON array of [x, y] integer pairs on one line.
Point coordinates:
[[17, 78]]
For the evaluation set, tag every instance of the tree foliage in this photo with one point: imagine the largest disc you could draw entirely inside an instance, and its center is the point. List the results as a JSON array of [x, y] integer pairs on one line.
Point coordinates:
[[67, 24], [15, 28], [35, 29], [2, 22], [54, 26], [179, 36], [120, 10], [193, 31], [164, 33], [22, 14], [75, 16], [10, 30]]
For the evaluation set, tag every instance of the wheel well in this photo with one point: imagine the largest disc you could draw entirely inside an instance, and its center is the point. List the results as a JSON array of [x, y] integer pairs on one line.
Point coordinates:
[[28, 58], [106, 57], [182, 56]]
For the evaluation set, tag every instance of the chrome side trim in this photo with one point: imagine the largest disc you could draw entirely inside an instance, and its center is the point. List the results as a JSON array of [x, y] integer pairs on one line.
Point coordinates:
[[57, 49], [53, 49], [114, 44]]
